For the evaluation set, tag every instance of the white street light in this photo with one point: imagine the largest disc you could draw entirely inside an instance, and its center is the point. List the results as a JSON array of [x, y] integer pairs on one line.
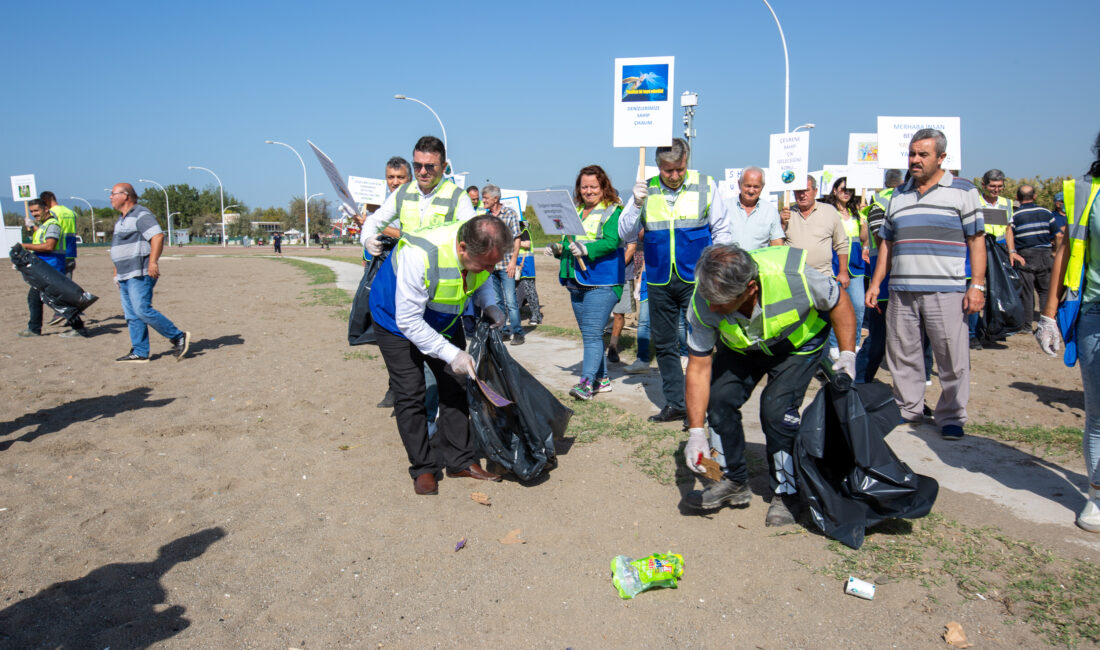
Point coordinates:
[[221, 195], [305, 182], [787, 73], [807, 126], [90, 212], [441, 127], [167, 210]]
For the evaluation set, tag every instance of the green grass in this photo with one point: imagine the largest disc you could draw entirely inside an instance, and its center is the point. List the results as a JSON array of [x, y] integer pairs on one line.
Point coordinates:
[[350, 259], [1057, 596], [359, 354], [317, 273], [1051, 440], [329, 297]]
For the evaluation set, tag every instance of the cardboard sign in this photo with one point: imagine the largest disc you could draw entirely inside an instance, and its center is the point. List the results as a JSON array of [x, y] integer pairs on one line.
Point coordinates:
[[642, 102], [335, 178], [370, 191], [817, 177], [829, 175], [23, 188], [788, 160], [894, 134], [556, 213], [515, 199], [863, 170]]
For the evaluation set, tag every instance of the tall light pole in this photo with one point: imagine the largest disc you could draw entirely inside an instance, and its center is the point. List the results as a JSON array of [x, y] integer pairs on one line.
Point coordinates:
[[91, 212], [167, 210], [786, 72], [305, 182], [807, 126], [441, 127], [221, 195], [689, 100]]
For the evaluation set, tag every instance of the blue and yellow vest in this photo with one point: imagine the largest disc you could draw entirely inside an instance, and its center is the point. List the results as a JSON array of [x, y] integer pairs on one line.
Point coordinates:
[[790, 319], [447, 293], [56, 258], [882, 200], [674, 238], [67, 219], [856, 267], [606, 270], [441, 211]]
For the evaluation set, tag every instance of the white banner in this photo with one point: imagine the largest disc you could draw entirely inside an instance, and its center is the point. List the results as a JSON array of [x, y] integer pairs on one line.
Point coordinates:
[[894, 134], [817, 177], [788, 160], [863, 169], [642, 99], [23, 188], [371, 191], [829, 174], [515, 199], [556, 213]]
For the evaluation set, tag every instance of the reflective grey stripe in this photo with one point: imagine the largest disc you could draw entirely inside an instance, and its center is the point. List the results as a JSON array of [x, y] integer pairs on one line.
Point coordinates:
[[406, 193], [403, 192], [432, 273], [799, 299], [702, 197], [445, 308], [1078, 232], [451, 204]]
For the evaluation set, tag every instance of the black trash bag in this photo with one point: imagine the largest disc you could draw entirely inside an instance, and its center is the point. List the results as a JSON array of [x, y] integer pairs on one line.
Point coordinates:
[[848, 477], [1005, 312], [360, 331], [520, 437], [58, 291]]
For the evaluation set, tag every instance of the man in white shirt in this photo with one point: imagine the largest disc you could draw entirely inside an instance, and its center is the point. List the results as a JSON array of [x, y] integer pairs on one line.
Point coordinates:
[[753, 223]]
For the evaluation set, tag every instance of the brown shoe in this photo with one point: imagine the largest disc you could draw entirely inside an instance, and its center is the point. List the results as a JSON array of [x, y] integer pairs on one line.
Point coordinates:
[[475, 471], [425, 484]]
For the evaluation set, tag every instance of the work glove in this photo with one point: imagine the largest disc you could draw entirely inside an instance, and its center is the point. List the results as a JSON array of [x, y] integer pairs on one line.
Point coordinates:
[[494, 315], [578, 249], [696, 445], [463, 365], [553, 250], [117, 285], [641, 191], [373, 245], [846, 364], [1050, 341]]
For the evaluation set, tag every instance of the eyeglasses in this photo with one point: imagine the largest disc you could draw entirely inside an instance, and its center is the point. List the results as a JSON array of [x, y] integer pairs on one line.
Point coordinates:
[[113, 193], [428, 167], [843, 189]]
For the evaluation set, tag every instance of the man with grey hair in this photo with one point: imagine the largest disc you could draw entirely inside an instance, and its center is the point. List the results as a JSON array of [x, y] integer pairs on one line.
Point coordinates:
[[504, 276], [931, 220], [768, 313], [682, 214], [816, 228], [754, 223]]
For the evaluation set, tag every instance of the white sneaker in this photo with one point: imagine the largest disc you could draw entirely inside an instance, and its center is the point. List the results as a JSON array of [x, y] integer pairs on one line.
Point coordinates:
[[1089, 518], [639, 367]]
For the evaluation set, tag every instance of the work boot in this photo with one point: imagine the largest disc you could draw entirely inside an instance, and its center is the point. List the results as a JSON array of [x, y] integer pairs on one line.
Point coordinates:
[[718, 494], [781, 511], [1089, 518]]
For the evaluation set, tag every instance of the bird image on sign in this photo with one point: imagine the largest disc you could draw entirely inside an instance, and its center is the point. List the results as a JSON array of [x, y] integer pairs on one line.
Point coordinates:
[[645, 83]]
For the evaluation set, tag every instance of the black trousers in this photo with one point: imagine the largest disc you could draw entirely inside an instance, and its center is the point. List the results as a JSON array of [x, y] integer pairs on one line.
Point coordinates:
[[452, 446], [665, 303], [1036, 277]]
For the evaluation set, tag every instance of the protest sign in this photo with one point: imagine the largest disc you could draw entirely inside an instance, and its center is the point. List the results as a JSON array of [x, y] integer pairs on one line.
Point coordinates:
[[863, 170], [555, 211], [817, 178], [23, 188], [788, 160], [515, 199], [643, 106], [829, 174], [367, 191], [894, 134], [335, 178]]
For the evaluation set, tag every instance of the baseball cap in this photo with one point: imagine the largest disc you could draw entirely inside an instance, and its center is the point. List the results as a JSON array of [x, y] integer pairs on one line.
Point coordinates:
[[1060, 196]]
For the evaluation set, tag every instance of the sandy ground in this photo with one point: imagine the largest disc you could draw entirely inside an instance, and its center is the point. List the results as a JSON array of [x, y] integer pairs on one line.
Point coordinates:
[[252, 495]]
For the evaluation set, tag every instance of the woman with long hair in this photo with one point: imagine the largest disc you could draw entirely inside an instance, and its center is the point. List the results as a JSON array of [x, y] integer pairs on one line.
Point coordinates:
[[594, 289], [847, 204]]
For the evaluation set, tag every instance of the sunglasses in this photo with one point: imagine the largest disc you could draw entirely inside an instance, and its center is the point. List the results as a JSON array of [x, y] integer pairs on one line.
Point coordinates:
[[428, 167]]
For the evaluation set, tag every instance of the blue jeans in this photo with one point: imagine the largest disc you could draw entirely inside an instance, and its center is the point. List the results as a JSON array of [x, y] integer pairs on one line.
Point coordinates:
[[643, 330], [592, 307], [137, 305], [1088, 350], [505, 286], [856, 292]]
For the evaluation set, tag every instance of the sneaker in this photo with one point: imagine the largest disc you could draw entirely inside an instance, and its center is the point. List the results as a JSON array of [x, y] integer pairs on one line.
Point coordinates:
[[536, 321], [1089, 518], [74, 334], [639, 367], [603, 386], [951, 432], [505, 336], [57, 320], [519, 339], [28, 332], [975, 344], [582, 391], [181, 345], [132, 358], [612, 355], [718, 494], [781, 511]]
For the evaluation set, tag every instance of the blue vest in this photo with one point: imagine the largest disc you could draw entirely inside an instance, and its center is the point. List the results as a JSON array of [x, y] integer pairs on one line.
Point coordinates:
[[527, 269], [606, 270], [676, 237]]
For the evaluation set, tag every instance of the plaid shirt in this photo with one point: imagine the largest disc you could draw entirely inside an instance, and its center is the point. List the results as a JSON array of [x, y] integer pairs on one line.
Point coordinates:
[[511, 219]]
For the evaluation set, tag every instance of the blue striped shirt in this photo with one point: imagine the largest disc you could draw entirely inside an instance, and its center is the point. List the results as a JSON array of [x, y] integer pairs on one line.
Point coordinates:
[[1034, 226], [130, 246], [929, 234]]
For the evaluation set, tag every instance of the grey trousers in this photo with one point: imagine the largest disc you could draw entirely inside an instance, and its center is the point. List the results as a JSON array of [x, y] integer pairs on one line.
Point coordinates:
[[945, 323]]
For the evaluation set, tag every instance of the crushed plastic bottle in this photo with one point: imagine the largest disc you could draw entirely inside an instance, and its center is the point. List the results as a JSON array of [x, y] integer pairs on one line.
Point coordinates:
[[632, 577]]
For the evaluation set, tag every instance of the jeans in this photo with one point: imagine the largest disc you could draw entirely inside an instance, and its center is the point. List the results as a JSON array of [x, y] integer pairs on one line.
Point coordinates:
[[137, 305], [592, 308], [666, 307], [1088, 350], [643, 330], [856, 291], [505, 286]]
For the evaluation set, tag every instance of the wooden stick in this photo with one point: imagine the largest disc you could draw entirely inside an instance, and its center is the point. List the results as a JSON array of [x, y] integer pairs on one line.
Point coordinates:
[[641, 163], [578, 260]]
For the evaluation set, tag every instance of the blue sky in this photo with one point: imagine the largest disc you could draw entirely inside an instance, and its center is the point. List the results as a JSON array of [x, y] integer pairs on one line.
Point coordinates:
[[117, 91]]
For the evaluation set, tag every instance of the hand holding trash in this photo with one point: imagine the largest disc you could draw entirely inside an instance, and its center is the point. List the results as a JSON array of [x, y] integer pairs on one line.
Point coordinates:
[[846, 364], [494, 315], [697, 446], [1047, 335], [463, 364], [373, 245]]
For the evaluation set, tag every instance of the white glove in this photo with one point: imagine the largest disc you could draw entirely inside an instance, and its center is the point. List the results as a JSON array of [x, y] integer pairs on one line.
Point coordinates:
[[494, 315], [1050, 341], [117, 285], [697, 444], [641, 192], [463, 364], [374, 245], [578, 249], [549, 250], [846, 364]]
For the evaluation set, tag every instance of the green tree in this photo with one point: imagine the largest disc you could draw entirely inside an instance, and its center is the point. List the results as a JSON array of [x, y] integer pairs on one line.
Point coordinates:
[[1045, 188], [13, 219], [192, 204], [319, 219]]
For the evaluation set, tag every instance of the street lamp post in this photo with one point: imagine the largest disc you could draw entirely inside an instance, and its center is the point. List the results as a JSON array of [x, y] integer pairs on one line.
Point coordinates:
[[441, 127], [91, 212], [807, 126], [786, 72], [167, 210], [305, 183], [221, 195]]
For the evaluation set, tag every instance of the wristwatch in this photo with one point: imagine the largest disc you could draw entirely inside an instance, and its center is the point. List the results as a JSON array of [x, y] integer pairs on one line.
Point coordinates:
[[979, 287]]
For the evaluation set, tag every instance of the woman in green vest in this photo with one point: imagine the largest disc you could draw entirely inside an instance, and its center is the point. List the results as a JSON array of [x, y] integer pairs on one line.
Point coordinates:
[[847, 204], [594, 289]]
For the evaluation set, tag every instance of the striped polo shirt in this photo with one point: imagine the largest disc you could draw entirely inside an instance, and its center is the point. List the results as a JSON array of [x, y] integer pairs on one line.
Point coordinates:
[[929, 234], [1034, 227], [130, 245]]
